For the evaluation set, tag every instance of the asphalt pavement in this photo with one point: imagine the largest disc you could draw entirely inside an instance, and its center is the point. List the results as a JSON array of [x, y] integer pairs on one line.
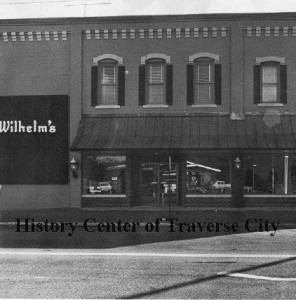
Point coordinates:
[[162, 265]]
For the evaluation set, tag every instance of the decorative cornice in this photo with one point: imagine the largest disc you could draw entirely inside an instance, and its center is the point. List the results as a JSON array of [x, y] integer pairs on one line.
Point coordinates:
[[21, 36], [107, 56], [155, 55], [270, 31], [158, 33], [260, 60], [195, 56]]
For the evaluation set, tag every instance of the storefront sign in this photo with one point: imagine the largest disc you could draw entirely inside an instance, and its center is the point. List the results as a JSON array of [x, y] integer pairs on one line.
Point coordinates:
[[34, 139], [19, 127]]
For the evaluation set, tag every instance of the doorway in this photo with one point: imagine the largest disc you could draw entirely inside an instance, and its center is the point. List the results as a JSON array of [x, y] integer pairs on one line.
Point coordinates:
[[159, 184]]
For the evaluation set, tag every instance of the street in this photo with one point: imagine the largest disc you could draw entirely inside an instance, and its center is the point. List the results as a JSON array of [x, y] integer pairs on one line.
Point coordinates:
[[238, 266]]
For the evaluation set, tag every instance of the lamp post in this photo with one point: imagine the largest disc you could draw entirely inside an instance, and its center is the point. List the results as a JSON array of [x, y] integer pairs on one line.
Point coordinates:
[[254, 166]]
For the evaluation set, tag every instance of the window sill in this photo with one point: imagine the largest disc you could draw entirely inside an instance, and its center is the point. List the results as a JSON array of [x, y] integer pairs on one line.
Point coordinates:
[[104, 196], [208, 195], [270, 104], [155, 106], [203, 105], [107, 106], [270, 196]]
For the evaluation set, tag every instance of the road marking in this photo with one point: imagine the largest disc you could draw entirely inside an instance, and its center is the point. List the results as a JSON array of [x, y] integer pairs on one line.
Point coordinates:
[[255, 276], [59, 252]]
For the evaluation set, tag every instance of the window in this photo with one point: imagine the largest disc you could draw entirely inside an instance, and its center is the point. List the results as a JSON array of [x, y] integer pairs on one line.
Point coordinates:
[[270, 81], [270, 174], [103, 174], [204, 79], [108, 84], [156, 83], [108, 81], [208, 174], [155, 80]]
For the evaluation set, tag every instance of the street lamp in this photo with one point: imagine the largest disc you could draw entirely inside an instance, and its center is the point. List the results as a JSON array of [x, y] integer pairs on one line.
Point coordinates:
[[254, 166]]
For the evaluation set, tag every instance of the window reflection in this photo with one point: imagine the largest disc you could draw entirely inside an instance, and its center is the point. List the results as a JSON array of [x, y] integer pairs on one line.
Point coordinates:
[[208, 174], [103, 174]]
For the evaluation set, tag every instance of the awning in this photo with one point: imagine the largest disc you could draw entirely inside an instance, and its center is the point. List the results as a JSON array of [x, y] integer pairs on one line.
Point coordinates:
[[185, 132]]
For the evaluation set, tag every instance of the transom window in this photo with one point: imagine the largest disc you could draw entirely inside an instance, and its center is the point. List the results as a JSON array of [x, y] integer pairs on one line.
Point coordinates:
[[204, 80]]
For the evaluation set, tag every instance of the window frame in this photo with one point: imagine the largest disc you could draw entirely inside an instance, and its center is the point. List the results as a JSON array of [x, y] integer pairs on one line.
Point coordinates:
[[101, 65], [211, 83], [263, 84], [148, 64]]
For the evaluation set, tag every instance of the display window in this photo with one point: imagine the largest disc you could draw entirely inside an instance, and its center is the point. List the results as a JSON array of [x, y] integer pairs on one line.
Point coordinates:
[[208, 174], [270, 174], [103, 174]]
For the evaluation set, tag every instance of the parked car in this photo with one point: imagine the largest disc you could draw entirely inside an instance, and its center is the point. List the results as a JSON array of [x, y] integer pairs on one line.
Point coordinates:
[[105, 187], [92, 190], [221, 185]]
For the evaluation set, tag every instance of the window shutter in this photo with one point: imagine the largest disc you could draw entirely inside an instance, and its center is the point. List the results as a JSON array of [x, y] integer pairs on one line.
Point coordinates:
[[142, 84], [257, 84], [94, 85], [218, 84], [283, 83], [121, 85], [169, 84], [190, 86]]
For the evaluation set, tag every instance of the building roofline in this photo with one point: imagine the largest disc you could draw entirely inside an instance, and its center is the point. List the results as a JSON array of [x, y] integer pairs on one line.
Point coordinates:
[[151, 18]]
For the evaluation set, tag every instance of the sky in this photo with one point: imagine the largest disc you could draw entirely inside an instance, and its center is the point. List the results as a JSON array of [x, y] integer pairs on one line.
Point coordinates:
[[16, 9]]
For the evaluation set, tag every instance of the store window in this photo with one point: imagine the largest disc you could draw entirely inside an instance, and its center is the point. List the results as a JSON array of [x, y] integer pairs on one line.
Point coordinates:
[[270, 81], [204, 79], [103, 174], [270, 174], [155, 80], [107, 81], [208, 174]]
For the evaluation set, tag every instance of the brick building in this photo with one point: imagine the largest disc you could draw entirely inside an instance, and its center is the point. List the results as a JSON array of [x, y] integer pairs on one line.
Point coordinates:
[[184, 111]]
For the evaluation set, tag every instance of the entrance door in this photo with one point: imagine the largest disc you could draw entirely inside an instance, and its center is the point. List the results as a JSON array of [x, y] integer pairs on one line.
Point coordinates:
[[159, 184]]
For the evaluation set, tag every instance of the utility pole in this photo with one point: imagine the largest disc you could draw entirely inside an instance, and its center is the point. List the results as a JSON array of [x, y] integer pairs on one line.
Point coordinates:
[[87, 4]]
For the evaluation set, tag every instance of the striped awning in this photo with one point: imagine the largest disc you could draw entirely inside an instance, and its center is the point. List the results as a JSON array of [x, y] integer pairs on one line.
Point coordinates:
[[185, 132]]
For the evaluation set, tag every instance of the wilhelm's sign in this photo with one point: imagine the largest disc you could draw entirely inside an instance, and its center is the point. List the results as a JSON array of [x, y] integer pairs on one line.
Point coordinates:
[[34, 140], [18, 127]]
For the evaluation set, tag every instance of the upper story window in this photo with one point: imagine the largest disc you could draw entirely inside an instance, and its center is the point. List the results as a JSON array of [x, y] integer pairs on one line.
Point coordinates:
[[270, 81], [204, 79], [155, 80], [108, 81]]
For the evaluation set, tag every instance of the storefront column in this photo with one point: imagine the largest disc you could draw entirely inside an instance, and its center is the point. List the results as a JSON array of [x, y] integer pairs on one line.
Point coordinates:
[[237, 180], [182, 181], [133, 180], [286, 173]]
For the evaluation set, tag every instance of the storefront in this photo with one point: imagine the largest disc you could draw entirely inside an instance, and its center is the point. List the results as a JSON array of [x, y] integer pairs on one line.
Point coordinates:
[[186, 161]]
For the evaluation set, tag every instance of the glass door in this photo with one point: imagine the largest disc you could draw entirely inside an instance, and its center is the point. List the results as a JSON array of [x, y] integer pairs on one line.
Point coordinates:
[[159, 184]]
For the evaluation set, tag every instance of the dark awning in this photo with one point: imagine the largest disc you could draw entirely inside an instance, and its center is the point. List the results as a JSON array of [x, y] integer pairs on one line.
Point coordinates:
[[185, 132]]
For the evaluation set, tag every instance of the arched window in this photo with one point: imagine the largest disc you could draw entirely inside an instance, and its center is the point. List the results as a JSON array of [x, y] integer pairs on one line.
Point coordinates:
[[108, 81], [270, 80], [203, 79], [155, 80]]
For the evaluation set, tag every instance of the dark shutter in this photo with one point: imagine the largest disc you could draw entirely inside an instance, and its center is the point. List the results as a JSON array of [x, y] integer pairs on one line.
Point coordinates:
[[121, 85], [283, 83], [257, 84], [218, 84], [94, 85], [169, 84], [142, 84], [190, 87]]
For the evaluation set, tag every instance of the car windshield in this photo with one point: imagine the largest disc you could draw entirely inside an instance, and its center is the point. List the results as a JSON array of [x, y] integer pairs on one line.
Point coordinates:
[[104, 184]]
